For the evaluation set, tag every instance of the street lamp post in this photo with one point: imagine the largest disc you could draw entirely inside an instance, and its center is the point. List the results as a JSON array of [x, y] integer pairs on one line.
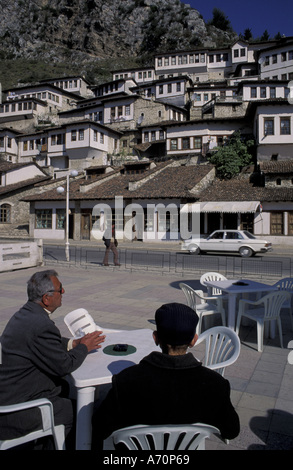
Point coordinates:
[[60, 190]]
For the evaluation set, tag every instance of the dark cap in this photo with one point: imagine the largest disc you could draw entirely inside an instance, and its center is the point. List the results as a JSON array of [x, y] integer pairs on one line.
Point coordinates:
[[176, 324]]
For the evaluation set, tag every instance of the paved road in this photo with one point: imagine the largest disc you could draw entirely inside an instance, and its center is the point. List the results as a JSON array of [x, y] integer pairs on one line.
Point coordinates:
[[168, 257]]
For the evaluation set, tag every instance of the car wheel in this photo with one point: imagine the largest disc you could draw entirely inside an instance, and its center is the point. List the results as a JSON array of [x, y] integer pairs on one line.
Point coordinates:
[[245, 252], [194, 249]]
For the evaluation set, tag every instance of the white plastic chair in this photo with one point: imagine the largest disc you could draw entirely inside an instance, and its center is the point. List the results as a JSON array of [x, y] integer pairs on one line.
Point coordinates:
[[263, 310], [212, 276], [202, 305], [287, 285], [80, 322], [163, 437], [222, 348], [48, 427], [290, 355]]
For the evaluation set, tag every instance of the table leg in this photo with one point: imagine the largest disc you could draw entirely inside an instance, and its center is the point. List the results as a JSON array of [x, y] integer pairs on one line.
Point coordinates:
[[85, 404], [231, 311]]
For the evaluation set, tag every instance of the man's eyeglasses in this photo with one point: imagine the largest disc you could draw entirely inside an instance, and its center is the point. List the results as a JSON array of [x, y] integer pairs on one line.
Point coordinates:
[[59, 290]]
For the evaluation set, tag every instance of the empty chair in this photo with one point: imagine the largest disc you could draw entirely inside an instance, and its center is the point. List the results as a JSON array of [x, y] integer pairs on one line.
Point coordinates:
[[263, 310], [212, 276], [163, 437], [48, 428], [287, 285], [80, 322], [202, 305], [222, 348]]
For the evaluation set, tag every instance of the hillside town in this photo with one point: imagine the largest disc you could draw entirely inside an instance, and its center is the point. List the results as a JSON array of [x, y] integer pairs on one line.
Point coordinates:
[[144, 140]]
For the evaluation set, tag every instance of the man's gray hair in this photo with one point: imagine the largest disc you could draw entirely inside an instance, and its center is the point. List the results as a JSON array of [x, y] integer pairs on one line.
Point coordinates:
[[39, 284]]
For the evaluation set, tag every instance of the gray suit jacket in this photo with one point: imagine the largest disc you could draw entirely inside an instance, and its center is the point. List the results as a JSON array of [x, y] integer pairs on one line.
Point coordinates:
[[34, 357]]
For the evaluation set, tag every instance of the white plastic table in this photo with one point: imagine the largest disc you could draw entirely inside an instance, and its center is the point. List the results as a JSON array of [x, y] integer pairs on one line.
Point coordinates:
[[230, 287], [98, 369]]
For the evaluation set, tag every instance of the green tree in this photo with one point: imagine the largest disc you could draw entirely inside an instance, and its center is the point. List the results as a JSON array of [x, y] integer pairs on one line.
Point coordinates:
[[220, 20], [265, 36], [247, 36], [233, 156]]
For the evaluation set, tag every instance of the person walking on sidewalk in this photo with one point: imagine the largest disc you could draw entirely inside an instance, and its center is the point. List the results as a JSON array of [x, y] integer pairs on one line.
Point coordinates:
[[111, 243]]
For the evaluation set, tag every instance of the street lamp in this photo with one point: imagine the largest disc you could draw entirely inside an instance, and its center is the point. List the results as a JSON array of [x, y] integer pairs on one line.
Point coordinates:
[[61, 190]]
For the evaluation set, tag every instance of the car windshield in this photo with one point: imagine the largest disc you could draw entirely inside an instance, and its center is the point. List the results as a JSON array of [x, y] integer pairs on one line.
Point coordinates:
[[248, 234]]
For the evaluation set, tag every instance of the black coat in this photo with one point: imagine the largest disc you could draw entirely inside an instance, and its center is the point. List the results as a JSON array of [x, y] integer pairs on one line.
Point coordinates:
[[166, 389]]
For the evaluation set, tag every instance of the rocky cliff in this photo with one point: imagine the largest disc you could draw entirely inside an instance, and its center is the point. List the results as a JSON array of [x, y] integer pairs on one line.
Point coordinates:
[[79, 30]]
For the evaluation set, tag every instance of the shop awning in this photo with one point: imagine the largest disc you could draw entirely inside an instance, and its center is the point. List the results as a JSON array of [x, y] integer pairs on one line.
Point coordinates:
[[230, 207]]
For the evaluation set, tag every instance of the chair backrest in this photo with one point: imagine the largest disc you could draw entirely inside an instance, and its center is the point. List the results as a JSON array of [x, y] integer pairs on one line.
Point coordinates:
[[285, 284], [80, 322], [192, 296], [273, 303], [164, 437], [222, 347], [213, 276], [47, 428]]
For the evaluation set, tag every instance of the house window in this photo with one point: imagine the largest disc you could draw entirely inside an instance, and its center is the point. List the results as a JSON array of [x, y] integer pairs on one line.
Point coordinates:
[[290, 223], [127, 110], [197, 142], [5, 214], [169, 88], [178, 86], [81, 134], [269, 126], [73, 136], [263, 92], [185, 143], [43, 219], [60, 219], [277, 223], [161, 89], [272, 92], [253, 92], [174, 144], [236, 53], [146, 136], [102, 138], [285, 126]]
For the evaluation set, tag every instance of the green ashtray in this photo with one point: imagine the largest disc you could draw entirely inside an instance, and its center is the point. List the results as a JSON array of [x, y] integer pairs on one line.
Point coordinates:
[[111, 351]]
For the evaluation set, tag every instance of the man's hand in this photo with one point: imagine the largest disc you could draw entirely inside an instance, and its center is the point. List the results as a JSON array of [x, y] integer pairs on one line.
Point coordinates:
[[91, 340]]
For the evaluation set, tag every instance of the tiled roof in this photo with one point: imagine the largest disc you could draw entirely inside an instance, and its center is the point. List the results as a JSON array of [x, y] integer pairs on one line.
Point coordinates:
[[276, 167], [170, 182], [23, 184], [242, 188]]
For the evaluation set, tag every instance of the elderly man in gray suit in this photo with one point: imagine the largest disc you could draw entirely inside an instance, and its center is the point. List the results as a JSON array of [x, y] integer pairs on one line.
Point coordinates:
[[35, 359]]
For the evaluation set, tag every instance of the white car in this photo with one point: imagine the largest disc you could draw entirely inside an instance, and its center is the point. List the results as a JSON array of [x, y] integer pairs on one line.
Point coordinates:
[[237, 241]]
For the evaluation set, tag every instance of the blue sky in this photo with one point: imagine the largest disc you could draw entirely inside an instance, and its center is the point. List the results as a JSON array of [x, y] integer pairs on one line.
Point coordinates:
[[258, 15]]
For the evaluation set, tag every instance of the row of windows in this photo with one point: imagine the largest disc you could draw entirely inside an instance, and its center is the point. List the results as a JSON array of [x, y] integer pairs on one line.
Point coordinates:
[[141, 75], [119, 111], [170, 88], [185, 143], [44, 219], [275, 58], [182, 60], [285, 126], [2, 142], [13, 107], [151, 136], [265, 92], [41, 96]]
